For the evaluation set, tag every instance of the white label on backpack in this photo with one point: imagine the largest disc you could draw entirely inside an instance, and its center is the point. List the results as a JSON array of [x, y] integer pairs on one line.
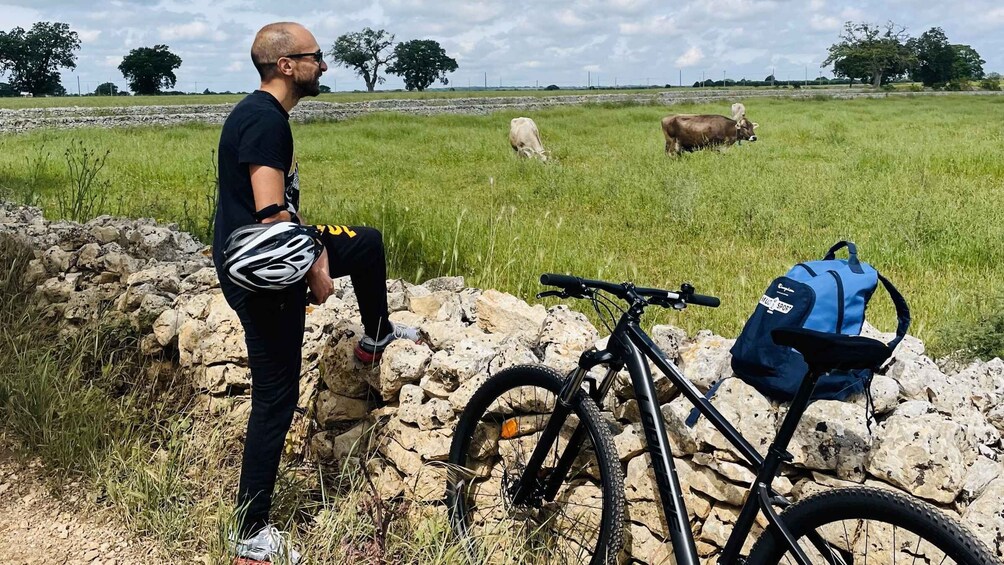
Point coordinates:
[[773, 304]]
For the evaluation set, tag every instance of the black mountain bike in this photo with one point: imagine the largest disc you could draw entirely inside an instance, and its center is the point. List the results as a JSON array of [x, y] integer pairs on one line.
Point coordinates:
[[535, 477]]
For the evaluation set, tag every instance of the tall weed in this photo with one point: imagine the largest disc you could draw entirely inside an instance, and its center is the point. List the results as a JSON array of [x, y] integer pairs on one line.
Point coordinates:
[[84, 195]]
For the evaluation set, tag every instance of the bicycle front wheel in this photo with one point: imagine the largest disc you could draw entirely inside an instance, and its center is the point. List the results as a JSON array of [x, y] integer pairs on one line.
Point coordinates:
[[870, 525], [500, 427]]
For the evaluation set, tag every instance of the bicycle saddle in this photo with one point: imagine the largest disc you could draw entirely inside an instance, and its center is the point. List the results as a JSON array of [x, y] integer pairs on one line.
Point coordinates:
[[825, 352]]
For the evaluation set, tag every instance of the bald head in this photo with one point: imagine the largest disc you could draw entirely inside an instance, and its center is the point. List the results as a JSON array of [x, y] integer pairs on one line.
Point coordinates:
[[274, 41]]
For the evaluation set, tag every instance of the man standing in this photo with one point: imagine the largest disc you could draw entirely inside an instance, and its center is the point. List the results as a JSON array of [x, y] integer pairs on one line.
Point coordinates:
[[259, 183]]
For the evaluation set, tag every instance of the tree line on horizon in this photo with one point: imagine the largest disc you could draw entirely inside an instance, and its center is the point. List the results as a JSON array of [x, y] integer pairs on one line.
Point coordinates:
[[868, 53], [32, 59]]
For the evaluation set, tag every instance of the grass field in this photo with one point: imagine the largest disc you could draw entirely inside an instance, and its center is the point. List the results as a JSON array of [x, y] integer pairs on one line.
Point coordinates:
[[915, 181]]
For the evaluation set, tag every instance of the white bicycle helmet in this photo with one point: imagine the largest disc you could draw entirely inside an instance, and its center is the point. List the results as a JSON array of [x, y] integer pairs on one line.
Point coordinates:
[[270, 256]]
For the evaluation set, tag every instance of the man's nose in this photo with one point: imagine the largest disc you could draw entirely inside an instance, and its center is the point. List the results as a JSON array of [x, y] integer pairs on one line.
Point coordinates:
[[324, 66]]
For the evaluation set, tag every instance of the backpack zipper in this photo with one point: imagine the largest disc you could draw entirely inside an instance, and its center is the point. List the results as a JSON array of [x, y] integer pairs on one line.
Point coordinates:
[[840, 301]]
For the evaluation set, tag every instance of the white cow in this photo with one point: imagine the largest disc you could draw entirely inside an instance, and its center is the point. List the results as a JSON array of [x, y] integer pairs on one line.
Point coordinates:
[[525, 139]]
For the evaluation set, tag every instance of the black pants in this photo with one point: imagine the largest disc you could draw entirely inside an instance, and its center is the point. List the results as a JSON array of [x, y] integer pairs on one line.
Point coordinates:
[[273, 327]]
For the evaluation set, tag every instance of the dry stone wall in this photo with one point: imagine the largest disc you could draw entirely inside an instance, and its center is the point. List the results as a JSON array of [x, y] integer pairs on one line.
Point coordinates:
[[17, 120], [938, 434]]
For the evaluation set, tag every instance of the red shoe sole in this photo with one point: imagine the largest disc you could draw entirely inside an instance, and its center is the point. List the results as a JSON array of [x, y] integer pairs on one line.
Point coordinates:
[[246, 561], [365, 357]]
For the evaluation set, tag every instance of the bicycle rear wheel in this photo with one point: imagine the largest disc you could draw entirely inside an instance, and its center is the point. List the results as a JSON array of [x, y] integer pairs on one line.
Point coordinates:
[[495, 435], [871, 525]]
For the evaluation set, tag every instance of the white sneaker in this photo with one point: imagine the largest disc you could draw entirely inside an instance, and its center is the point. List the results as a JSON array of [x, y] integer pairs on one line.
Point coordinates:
[[369, 350], [269, 545]]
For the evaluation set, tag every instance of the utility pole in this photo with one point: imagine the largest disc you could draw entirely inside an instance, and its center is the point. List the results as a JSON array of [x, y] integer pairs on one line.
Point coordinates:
[[681, 77], [723, 79], [78, 85], [702, 79], [486, 80], [772, 76], [589, 79]]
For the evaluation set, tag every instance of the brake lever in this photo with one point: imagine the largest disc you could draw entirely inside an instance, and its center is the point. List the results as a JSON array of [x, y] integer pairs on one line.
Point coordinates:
[[547, 293]]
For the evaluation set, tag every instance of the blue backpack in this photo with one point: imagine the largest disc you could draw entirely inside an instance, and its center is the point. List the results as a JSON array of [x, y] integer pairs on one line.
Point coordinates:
[[828, 296]]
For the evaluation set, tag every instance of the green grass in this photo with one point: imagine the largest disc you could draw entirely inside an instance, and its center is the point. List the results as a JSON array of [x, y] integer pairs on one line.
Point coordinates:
[[915, 181]]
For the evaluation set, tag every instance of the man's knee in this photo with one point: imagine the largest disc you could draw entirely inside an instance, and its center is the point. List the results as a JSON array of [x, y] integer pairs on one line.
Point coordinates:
[[370, 237]]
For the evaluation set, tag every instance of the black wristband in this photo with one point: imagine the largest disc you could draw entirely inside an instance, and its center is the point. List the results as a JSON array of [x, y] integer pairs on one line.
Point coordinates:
[[267, 212]]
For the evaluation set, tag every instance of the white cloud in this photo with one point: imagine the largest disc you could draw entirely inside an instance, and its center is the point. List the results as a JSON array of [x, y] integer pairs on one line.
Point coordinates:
[[692, 57], [995, 16], [824, 23], [88, 35], [636, 41], [658, 25], [196, 30]]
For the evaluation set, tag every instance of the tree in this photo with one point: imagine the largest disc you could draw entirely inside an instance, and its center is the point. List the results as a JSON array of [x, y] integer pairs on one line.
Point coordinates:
[[420, 62], [968, 64], [935, 58], [868, 53], [770, 78], [148, 69], [365, 51], [939, 62], [325, 89], [32, 57], [106, 89]]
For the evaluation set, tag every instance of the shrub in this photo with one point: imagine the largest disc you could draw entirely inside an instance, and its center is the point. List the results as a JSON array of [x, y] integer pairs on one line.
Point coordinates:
[[990, 84], [981, 339], [552, 87], [957, 85]]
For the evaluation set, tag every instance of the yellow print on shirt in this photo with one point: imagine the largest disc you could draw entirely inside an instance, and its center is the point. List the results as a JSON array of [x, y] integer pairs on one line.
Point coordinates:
[[336, 230]]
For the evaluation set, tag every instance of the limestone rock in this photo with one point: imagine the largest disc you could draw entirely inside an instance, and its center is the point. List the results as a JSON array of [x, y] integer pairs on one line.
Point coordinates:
[[706, 360], [505, 314], [333, 409], [925, 454], [670, 339], [568, 328], [985, 518], [448, 284], [833, 436], [747, 410], [403, 362]]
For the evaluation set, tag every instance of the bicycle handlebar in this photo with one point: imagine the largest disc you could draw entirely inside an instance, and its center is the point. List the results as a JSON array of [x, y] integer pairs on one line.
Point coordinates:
[[577, 287]]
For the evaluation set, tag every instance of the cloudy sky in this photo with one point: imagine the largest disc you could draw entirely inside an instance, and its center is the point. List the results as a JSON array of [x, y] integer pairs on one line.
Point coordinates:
[[515, 42]]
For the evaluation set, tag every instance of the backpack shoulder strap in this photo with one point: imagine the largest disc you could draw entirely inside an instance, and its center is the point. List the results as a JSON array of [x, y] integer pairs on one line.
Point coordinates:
[[902, 311]]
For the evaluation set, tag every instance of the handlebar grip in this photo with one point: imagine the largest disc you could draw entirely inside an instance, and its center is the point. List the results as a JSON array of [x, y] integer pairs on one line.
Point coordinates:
[[561, 281], [703, 300]]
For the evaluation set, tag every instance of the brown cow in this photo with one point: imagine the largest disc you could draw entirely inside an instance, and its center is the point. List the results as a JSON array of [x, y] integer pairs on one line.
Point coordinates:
[[525, 139], [689, 132]]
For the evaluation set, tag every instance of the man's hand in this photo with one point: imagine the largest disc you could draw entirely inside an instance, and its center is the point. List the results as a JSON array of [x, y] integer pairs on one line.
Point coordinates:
[[319, 279]]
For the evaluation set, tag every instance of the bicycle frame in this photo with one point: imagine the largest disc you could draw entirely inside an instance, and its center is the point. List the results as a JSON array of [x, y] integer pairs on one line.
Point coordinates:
[[628, 346]]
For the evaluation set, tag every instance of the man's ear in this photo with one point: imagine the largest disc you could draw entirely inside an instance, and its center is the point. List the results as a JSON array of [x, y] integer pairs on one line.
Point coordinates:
[[285, 66]]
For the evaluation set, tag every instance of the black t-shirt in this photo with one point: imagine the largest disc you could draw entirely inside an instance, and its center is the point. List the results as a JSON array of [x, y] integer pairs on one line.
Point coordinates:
[[255, 133]]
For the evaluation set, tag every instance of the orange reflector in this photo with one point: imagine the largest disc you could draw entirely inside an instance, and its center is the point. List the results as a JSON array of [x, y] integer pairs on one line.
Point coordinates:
[[509, 428]]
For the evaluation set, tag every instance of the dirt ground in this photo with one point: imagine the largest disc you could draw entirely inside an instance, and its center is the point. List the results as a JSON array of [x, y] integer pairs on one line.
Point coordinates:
[[38, 528]]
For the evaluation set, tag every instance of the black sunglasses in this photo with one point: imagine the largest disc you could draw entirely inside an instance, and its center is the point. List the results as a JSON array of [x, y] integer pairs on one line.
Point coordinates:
[[317, 55]]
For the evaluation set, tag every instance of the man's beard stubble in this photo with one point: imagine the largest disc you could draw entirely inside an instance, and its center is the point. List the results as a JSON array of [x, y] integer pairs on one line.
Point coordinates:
[[306, 88]]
